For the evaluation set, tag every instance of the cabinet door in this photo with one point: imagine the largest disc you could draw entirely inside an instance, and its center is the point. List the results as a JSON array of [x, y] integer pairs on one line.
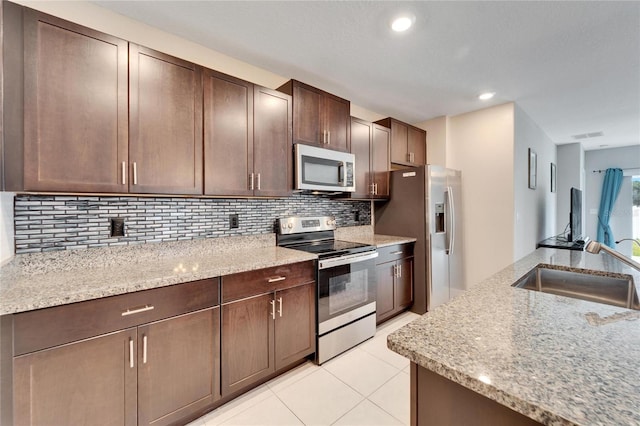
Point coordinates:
[[228, 135], [417, 145], [178, 366], [380, 160], [384, 292], [404, 284], [165, 123], [307, 114], [247, 342], [89, 382], [75, 107], [399, 134], [360, 147], [336, 122], [295, 325], [272, 151]]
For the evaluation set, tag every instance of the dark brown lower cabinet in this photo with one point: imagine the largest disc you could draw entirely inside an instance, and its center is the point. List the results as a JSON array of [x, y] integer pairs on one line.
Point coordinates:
[[394, 292], [247, 342], [264, 333], [436, 400], [178, 365], [88, 382], [155, 374]]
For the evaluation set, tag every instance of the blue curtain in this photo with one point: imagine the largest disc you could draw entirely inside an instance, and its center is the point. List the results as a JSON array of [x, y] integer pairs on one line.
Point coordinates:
[[610, 191]]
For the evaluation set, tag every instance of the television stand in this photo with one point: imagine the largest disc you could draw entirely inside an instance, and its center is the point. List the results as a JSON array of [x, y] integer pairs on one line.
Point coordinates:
[[561, 243]]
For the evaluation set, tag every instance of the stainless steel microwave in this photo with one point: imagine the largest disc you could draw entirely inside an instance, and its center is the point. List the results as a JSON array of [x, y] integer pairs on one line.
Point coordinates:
[[319, 169]]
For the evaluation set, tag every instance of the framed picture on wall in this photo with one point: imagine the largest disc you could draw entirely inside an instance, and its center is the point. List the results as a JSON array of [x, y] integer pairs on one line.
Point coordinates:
[[533, 169], [553, 177]]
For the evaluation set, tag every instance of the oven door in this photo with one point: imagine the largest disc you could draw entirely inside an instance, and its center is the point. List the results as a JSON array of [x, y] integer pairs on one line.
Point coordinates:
[[346, 289]]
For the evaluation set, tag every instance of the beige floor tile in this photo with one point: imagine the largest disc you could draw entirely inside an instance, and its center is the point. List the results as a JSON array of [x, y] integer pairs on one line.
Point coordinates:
[[269, 412], [367, 414], [292, 376], [393, 397], [362, 371], [378, 348], [319, 398], [237, 406]]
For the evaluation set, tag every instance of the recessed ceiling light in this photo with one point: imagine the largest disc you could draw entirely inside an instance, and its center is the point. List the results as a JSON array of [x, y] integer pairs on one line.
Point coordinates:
[[486, 96], [402, 23]]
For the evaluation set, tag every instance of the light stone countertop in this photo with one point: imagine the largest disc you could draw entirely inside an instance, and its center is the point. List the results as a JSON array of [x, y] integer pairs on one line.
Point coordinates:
[[41, 280], [365, 235], [557, 360]]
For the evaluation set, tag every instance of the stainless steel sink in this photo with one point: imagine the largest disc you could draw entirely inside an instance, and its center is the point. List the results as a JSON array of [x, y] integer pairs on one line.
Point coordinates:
[[614, 291]]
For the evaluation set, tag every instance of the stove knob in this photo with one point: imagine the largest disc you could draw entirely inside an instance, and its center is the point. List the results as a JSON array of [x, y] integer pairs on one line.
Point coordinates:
[[289, 225]]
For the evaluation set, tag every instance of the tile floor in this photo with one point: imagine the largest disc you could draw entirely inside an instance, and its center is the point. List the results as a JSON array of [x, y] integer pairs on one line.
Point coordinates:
[[367, 385]]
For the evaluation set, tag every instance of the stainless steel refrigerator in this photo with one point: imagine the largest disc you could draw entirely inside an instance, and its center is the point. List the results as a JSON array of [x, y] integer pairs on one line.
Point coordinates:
[[425, 203]]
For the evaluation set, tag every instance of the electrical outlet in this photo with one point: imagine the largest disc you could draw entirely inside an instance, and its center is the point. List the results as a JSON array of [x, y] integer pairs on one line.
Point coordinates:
[[117, 227], [233, 221]]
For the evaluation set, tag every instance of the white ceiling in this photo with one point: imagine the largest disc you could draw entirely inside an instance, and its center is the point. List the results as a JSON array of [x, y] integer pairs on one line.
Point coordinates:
[[573, 67]]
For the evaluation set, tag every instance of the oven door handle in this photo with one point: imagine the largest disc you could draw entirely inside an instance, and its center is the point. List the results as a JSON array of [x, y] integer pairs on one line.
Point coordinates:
[[347, 259]]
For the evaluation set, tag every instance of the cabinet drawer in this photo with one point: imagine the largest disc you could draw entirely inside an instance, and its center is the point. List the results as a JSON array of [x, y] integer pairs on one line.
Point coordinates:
[[44, 328], [247, 284], [394, 252]]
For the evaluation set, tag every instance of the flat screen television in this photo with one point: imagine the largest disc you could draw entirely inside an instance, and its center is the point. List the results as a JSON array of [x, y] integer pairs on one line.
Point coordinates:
[[575, 216]]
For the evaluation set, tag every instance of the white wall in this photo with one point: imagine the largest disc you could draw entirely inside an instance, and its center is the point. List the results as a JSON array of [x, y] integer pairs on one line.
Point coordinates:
[[621, 216], [481, 144], [101, 19], [7, 246], [534, 209], [436, 139], [570, 175]]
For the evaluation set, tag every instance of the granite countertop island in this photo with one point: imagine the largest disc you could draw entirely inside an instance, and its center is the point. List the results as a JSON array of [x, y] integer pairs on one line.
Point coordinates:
[[41, 280], [556, 360]]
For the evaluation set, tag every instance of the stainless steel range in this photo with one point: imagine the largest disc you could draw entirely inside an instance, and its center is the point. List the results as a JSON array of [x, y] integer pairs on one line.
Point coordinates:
[[346, 277]]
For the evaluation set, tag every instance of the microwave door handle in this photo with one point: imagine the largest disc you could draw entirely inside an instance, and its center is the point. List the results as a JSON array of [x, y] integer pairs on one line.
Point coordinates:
[[342, 171]]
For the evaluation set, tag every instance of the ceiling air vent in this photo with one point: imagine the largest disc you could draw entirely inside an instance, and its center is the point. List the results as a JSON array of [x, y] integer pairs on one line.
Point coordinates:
[[587, 135]]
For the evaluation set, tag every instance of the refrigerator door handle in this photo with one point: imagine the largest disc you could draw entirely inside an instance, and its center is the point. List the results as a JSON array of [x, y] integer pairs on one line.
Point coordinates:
[[451, 229]]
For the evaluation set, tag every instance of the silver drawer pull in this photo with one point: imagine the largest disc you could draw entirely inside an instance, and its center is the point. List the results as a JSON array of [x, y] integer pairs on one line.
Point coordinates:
[[396, 252], [145, 308], [276, 279]]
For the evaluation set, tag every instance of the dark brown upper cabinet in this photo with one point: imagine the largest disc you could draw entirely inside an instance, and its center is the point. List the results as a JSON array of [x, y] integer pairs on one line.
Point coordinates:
[[319, 118], [165, 123], [370, 145], [272, 144], [75, 105], [247, 138], [408, 143]]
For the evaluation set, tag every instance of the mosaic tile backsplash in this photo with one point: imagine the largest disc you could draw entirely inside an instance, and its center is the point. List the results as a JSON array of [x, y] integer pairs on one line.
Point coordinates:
[[47, 223]]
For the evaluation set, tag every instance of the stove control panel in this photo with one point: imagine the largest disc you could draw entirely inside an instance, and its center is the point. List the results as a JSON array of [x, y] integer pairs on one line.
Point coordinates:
[[297, 224]]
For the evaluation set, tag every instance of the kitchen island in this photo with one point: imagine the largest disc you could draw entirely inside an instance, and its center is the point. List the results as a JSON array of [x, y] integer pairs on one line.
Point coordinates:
[[552, 359]]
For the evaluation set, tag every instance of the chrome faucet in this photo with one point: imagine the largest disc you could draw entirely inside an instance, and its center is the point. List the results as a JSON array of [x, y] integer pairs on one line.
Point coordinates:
[[595, 247]]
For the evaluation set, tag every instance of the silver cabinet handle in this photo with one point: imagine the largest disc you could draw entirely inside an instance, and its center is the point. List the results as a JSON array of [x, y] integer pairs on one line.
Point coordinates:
[[399, 271], [135, 173], [144, 349], [395, 271], [258, 181], [251, 181], [329, 137], [276, 279], [145, 308], [273, 309], [131, 362], [376, 189], [280, 306], [396, 252], [124, 173], [324, 136]]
